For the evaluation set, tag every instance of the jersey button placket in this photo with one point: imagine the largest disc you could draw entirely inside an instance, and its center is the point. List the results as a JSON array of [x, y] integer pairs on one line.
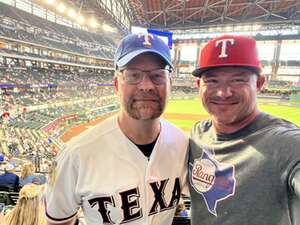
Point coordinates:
[[146, 189]]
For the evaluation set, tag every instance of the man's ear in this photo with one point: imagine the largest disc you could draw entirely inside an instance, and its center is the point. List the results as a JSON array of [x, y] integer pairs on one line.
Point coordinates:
[[260, 82], [198, 82], [171, 82], [116, 83]]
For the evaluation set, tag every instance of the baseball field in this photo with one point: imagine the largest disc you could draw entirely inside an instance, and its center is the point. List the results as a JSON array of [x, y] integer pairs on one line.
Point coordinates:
[[184, 113]]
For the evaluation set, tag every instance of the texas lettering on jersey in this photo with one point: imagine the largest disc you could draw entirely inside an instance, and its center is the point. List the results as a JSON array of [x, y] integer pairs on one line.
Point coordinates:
[[130, 206]]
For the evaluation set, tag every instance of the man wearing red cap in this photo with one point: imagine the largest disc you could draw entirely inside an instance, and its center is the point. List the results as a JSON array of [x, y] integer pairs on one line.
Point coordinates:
[[244, 165]]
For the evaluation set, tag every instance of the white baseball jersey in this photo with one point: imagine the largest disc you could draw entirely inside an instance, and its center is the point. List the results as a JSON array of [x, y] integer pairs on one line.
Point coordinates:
[[106, 174]]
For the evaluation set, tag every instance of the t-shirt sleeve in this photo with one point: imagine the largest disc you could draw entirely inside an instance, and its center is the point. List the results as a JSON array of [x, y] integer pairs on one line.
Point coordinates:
[[295, 182], [61, 201], [294, 179]]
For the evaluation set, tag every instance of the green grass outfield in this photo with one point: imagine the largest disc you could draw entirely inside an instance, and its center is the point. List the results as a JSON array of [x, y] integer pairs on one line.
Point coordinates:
[[193, 108]]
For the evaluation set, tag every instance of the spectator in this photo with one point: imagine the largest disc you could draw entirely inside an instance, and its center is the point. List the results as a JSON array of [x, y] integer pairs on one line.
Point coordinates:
[[2, 162], [29, 209], [181, 210], [130, 168], [244, 164], [27, 175], [9, 178]]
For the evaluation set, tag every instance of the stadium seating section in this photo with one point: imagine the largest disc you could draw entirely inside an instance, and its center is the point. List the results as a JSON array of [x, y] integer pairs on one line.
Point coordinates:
[[19, 25]]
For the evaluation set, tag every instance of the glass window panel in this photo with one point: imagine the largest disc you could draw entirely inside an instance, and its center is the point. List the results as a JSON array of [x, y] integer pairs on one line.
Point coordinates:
[[8, 2], [63, 21], [38, 11], [23, 5], [266, 50], [50, 16], [108, 3], [290, 50]]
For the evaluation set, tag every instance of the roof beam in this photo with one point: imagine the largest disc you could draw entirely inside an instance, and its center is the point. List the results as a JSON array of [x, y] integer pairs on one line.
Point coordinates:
[[167, 13], [183, 12], [270, 13], [226, 6], [145, 9], [194, 13], [155, 17], [163, 3], [205, 8]]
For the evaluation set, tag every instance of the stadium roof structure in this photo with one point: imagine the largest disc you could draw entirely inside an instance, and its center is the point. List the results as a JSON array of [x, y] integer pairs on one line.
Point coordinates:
[[181, 16], [202, 14]]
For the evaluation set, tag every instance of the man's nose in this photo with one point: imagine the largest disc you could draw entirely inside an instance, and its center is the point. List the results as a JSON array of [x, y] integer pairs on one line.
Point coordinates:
[[224, 91], [146, 83]]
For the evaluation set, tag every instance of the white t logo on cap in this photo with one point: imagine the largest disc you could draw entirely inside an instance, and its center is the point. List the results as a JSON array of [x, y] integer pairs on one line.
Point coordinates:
[[224, 46], [147, 38]]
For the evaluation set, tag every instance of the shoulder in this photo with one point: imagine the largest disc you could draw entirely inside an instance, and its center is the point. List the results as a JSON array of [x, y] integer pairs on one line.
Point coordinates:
[[88, 143], [104, 127], [171, 129], [283, 129], [92, 135], [173, 137]]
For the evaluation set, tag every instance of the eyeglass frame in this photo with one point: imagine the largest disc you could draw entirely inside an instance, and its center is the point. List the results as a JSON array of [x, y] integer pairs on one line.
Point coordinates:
[[144, 72]]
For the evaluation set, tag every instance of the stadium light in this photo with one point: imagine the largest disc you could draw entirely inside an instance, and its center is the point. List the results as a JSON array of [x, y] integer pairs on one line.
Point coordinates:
[[61, 7], [107, 28], [72, 13], [50, 2], [93, 23], [80, 19]]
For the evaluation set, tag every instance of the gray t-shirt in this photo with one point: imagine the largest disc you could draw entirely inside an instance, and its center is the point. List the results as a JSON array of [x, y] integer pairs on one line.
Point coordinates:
[[251, 177]]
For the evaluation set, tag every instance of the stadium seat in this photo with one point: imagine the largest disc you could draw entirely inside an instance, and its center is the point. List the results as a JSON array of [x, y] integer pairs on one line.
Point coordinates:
[[6, 188], [13, 198], [181, 221], [3, 197], [9, 198]]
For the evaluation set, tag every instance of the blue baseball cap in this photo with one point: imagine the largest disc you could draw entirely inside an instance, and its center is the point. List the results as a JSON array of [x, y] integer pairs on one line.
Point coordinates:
[[135, 44]]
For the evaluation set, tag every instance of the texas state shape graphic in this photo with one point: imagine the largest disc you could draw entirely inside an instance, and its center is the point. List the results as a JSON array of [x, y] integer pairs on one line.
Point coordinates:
[[215, 181]]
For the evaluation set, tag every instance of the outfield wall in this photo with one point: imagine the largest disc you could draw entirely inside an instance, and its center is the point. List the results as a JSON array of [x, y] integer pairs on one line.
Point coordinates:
[[266, 100], [295, 97]]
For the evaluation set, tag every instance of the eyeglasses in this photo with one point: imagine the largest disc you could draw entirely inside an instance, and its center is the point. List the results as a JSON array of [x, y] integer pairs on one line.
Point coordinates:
[[136, 76]]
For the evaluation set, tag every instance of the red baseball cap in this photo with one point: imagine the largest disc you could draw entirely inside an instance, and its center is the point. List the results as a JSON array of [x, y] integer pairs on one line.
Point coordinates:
[[229, 50]]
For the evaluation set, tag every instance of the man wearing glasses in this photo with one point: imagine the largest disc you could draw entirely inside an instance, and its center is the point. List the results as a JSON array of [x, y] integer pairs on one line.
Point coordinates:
[[131, 167]]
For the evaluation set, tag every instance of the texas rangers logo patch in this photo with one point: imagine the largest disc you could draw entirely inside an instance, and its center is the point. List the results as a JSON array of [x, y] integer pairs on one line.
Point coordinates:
[[215, 181], [147, 39]]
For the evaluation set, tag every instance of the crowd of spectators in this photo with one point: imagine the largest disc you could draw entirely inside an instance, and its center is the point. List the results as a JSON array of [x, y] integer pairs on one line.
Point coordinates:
[[31, 76], [23, 26], [70, 58], [39, 105], [277, 89], [28, 150]]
